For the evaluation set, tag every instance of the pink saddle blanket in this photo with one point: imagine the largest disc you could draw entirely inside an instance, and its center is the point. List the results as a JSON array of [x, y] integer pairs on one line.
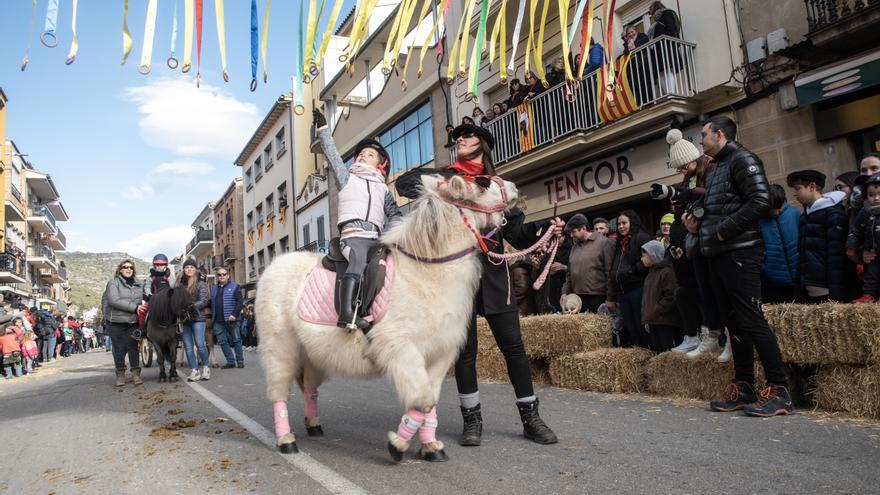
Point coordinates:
[[316, 305]]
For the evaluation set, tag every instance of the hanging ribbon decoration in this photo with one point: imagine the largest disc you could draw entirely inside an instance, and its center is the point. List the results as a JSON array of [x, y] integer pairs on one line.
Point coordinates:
[[172, 60], [27, 52], [499, 33], [465, 39], [608, 18], [586, 36], [149, 32], [392, 37], [298, 105], [358, 33], [328, 31], [48, 37], [539, 47], [426, 4], [566, 45], [126, 36], [477, 53], [74, 45], [188, 13], [310, 37], [393, 49], [311, 66], [264, 40], [436, 30], [221, 35], [450, 71], [199, 17], [255, 32], [574, 20], [520, 13]]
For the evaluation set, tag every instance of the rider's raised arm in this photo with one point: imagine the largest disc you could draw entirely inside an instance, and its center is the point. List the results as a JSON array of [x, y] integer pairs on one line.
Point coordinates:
[[322, 130]]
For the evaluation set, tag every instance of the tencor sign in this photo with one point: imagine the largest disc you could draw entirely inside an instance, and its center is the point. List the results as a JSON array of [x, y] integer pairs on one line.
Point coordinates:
[[591, 183]]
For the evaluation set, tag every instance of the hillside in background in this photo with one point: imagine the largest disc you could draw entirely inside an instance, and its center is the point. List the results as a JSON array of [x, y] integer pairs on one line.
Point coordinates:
[[89, 272]]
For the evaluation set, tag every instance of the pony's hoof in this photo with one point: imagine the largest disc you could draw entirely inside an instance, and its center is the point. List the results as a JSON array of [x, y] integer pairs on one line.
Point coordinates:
[[288, 448], [173, 378], [315, 431], [433, 456], [162, 379], [396, 455]]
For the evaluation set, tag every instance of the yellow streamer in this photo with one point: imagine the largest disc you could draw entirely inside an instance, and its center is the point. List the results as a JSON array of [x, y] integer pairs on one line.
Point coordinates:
[[450, 74], [189, 10], [392, 36], [500, 30], [426, 4], [430, 36], [539, 48], [465, 38], [126, 36], [357, 32], [563, 23], [311, 27], [533, 8], [74, 45], [264, 40], [149, 31], [328, 31], [221, 35], [402, 30]]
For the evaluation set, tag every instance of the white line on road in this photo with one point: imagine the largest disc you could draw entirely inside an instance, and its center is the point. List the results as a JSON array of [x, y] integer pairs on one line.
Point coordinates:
[[328, 478]]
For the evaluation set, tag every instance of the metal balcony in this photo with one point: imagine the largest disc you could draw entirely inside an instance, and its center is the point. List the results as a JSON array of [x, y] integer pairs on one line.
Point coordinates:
[[41, 220], [15, 206], [320, 247], [201, 244], [660, 70], [843, 25], [12, 269], [41, 256]]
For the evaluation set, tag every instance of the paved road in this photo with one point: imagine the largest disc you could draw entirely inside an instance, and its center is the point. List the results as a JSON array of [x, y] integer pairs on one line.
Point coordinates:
[[75, 433]]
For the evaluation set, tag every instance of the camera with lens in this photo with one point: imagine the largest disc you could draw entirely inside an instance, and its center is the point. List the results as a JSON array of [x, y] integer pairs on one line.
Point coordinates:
[[678, 195]]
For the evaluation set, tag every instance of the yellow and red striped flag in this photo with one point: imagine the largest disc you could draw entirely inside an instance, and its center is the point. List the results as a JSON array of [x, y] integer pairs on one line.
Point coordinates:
[[614, 98]]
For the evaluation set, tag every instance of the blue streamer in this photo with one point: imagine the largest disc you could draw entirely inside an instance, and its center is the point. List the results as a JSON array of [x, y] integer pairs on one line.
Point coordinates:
[[255, 42], [578, 13], [172, 59], [48, 37]]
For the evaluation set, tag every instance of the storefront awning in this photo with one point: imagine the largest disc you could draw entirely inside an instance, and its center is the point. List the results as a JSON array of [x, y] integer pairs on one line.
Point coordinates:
[[856, 73]]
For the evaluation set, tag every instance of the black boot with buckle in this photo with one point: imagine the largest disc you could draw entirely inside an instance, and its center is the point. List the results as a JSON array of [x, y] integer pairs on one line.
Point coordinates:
[[534, 427], [473, 426], [349, 287]]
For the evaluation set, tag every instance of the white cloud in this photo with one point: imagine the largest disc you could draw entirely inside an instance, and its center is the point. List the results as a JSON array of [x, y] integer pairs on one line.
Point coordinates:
[[180, 168], [138, 193], [193, 121], [170, 240]]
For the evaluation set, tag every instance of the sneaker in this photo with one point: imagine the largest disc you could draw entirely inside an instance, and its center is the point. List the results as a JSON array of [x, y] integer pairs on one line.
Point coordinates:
[[688, 344], [867, 298], [737, 396], [206, 373], [708, 344], [727, 353], [227, 366], [194, 376], [775, 400]]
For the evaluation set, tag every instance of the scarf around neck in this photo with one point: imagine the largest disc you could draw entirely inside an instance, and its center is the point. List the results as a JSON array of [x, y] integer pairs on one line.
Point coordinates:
[[468, 167]]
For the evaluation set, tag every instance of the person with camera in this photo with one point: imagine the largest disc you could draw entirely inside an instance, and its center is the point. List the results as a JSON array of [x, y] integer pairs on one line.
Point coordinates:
[[701, 323], [737, 197], [121, 299]]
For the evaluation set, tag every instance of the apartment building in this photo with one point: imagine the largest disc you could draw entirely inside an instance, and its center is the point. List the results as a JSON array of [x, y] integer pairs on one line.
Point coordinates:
[[229, 231], [201, 246]]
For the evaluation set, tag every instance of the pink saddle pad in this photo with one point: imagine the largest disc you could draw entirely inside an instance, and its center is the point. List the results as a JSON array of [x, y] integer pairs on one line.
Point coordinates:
[[317, 302]]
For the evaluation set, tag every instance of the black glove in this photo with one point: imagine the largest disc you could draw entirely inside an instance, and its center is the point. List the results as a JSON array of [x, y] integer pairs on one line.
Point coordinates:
[[318, 119]]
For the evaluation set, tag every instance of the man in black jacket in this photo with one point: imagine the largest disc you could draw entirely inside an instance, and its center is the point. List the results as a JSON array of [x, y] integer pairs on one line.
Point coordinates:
[[737, 197]]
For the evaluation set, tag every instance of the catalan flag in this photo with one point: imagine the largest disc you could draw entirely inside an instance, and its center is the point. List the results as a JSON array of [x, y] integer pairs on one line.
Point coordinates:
[[526, 126], [614, 94]]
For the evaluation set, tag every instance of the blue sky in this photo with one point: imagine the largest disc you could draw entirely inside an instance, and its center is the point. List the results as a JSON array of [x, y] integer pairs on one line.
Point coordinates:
[[137, 157]]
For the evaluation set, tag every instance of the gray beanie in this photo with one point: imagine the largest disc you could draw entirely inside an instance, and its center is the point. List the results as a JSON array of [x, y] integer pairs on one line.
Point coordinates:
[[655, 250]]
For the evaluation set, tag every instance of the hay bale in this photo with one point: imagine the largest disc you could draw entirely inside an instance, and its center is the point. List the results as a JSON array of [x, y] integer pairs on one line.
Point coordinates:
[[851, 389], [491, 367], [673, 375], [828, 333], [602, 370], [551, 336]]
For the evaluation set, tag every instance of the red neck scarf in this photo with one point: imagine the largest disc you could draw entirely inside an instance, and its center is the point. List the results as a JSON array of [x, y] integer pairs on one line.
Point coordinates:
[[468, 167]]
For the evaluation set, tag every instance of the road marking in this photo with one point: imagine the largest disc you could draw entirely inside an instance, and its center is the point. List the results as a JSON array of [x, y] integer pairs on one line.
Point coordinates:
[[328, 478]]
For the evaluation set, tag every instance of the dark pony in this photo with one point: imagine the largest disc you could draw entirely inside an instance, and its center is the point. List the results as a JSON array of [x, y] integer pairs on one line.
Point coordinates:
[[167, 307]]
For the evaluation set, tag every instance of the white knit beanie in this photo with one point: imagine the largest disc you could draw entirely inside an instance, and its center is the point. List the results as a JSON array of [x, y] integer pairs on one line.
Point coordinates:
[[681, 151]]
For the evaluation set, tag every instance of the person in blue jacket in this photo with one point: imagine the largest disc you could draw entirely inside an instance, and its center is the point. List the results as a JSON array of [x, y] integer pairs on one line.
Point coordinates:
[[780, 232]]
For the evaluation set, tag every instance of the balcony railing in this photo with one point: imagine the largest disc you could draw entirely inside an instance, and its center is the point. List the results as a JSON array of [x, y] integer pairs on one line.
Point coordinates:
[[658, 70], [40, 251], [15, 192], [201, 236], [319, 247], [12, 264], [823, 13], [38, 210]]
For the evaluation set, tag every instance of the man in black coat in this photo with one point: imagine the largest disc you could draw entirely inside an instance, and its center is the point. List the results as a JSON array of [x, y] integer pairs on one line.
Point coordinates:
[[737, 197], [495, 299]]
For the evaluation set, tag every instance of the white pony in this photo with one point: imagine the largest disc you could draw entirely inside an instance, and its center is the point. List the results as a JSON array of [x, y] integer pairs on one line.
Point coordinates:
[[434, 249]]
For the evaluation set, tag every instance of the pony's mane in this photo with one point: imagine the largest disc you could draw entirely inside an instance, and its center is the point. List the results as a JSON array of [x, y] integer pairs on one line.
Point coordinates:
[[431, 228], [168, 304]]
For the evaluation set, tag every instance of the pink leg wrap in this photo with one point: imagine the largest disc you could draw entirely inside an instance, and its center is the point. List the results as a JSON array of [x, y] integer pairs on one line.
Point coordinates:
[[428, 431], [409, 424], [282, 426], [311, 396]]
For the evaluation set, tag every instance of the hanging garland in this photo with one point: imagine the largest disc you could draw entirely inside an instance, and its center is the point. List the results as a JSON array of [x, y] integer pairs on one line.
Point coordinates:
[[149, 32], [74, 44]]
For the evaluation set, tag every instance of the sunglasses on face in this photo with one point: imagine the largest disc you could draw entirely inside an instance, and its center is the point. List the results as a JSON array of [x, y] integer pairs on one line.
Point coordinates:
[[222, 274], [127, 268]]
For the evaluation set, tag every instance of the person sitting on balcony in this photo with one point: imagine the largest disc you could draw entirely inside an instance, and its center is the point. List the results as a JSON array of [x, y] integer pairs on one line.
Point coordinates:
[[362, 219], [517, 93]]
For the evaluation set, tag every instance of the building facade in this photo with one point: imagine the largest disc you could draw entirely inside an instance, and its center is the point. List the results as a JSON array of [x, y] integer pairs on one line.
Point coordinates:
[[229, 231], [313, 214], [201, 246]]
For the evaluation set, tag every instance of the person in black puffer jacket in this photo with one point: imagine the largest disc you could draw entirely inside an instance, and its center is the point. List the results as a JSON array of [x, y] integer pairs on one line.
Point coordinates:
[[737, 197], [628, 274]]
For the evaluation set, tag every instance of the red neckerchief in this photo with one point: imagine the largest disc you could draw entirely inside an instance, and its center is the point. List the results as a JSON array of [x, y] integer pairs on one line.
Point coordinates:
[[468, 167], [624, 241]]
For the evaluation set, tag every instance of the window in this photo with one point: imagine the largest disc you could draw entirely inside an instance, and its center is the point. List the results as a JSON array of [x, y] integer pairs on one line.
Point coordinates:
[[250, 264], [270, 205], [321, 237], [410, 141], [267, 157], [259, 214], [258, 169], [284, 245], [271, 251], [282, 196], [306, 239], [248, 179], [280, 145], [250, 220], [228, 217], [261, 261]]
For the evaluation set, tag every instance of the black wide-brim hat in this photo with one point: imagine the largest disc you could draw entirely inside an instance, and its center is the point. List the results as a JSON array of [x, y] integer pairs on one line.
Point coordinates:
[[480, 132]]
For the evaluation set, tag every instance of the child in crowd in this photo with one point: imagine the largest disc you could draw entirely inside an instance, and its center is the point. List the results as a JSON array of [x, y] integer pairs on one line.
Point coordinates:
[[659, 312], [864, 238], [10, 348], [29, 351]]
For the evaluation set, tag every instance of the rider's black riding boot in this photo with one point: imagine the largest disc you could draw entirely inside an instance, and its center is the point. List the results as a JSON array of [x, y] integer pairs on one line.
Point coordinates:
[[473, 426], [348, 292]]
